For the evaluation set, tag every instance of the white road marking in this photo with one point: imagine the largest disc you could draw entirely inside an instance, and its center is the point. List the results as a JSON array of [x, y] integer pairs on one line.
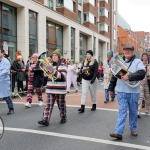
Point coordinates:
[[68, 136]]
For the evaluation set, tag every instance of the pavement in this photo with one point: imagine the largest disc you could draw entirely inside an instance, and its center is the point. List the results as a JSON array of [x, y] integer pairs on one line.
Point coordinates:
[[87, 131]]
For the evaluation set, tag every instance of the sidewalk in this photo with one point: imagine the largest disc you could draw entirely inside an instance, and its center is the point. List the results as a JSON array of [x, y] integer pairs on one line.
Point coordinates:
[[73, 98]]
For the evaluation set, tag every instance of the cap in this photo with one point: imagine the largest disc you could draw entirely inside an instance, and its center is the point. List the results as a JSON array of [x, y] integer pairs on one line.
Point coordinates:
[[128, 47]]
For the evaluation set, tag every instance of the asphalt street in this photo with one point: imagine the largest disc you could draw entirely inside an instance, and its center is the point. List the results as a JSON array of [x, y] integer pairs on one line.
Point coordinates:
[[87, 131]]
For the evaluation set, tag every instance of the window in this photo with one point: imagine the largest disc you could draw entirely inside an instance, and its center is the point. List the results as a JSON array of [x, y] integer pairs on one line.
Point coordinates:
[[93, 2], [50, 4], [79, 16], [73, 43], [33, 35], [74, 6], [114, 34], [104, 27], [54, 37], [59, 2], [89, 17], [80, 2], [94, 45], [103, 12]]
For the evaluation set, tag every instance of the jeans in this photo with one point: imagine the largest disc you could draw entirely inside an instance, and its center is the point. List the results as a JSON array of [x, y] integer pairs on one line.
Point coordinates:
[[107, 95], [127, 101]]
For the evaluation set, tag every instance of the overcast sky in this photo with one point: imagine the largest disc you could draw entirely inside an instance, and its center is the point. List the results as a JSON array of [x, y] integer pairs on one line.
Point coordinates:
[[136, 13]]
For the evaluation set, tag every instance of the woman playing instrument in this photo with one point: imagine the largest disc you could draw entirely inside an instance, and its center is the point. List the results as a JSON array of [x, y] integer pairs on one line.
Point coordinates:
[[35, 80], [127, 96], [56, 89]]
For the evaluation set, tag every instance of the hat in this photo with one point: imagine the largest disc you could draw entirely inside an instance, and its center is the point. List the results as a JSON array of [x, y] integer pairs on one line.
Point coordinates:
[[72, 60], [19, 50], [35, 55], [128, 47], [90, 52], [58, 52], [110, 53]]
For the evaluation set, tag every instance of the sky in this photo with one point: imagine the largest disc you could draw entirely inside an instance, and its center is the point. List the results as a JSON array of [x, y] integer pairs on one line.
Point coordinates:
[[136, 13]]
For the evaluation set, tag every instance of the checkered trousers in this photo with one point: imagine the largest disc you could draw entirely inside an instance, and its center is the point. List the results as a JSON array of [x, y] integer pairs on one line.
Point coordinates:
[[61, 102]]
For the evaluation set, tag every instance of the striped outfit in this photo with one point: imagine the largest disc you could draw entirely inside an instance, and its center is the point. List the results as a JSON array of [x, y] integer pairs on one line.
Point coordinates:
[[56, 91], [31, 87]]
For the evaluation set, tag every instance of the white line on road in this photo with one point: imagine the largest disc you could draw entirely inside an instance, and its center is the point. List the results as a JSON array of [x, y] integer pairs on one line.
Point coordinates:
[[68, 136]]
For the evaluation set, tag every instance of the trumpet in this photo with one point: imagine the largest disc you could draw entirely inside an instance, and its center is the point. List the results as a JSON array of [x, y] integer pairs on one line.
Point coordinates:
[[119, 68]]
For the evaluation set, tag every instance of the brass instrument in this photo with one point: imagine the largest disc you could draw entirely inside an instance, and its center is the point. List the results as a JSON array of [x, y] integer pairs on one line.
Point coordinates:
[[46, 66], [119, 68]]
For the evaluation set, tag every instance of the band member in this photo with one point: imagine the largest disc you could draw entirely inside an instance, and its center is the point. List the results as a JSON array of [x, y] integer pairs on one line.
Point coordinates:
[[35, 80], [56, 89], [127, 96], [89, 74], [144, 87], [72, 75], [107, 75], [5, 82]]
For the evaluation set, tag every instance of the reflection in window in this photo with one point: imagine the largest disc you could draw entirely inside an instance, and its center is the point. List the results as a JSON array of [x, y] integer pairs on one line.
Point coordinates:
[[60, 2], [33, 43], [83, 46], [80, 2], [54, 37]]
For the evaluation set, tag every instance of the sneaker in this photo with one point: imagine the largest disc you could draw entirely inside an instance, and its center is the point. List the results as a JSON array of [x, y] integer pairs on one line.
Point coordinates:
[[11, 111], [63, 120], [44, 123], [41, 103], [147, 112], [28, 105]]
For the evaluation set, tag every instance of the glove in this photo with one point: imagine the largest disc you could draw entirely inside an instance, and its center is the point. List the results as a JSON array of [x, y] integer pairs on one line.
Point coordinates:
[[92, 81]]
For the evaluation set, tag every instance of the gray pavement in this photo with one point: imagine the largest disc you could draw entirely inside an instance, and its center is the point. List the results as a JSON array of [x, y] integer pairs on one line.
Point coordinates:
[[87, 131]]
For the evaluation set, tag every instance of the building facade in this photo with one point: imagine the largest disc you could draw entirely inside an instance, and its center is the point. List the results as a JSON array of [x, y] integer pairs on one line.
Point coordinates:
[[74, 26]]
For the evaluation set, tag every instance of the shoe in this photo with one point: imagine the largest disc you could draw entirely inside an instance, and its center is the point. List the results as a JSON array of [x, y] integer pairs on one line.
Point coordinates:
[[93, 107], [44, 123], [117, 136], [63, 120], [67, 91], [41, 103], [112, 99], [76, 91], [106, 101], [11, 111], [28, 105], [139, 116], [81, 110], [134, 133]]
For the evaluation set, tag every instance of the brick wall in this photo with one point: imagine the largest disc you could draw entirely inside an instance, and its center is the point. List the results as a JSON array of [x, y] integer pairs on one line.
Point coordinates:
[[40, 1], [91, 26]]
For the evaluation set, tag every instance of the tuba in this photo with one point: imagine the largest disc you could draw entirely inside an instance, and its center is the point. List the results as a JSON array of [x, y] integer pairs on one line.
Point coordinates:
[[119, 68], [46, 66]]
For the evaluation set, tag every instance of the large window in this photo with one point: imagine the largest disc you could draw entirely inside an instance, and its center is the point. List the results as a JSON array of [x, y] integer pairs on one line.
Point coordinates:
[[83, 46], [80, 2], [54, 37], [73, 43], [8, 28], [33, 35]]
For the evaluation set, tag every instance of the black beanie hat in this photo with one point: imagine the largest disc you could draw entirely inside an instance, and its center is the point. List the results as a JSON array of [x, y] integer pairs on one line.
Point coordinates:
[[90, 52]]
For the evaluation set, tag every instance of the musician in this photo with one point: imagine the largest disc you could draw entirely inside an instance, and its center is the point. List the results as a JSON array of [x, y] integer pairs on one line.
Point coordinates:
[[144, 87], [107, 76], [89, 74], [35, 80], [127, 96], [56, 89]]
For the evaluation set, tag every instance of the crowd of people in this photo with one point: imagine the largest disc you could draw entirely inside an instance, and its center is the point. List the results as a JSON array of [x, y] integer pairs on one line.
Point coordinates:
[[57, 75]]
